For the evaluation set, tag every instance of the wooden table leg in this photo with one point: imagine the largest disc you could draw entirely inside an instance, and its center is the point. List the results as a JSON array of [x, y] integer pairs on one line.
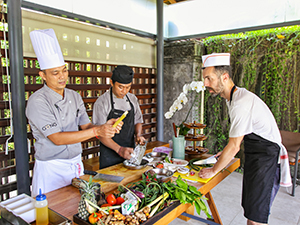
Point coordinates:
[[213, 208], [190, 211]]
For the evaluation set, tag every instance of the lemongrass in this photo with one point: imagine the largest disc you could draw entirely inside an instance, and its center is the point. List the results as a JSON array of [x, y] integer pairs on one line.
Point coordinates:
[[155, 201], [95, 206], [158, 205]]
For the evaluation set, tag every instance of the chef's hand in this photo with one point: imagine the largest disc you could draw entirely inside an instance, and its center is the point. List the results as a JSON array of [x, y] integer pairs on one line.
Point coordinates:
[[140, 140], [105, 131], [125, 152], [206, 173], [118, 127]]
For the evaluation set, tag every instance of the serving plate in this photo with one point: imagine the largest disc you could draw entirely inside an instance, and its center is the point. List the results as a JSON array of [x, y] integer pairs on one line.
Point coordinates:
[[198, 151], [164, 174], [131, 166], [180, 162]]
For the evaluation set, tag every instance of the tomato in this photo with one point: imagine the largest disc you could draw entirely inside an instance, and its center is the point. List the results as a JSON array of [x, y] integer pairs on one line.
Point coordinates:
[[160, 165], [111, 199], [120, 200], [106, 205]]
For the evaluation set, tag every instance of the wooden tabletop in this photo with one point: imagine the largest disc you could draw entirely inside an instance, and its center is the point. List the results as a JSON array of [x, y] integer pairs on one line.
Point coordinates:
[[65, 200]]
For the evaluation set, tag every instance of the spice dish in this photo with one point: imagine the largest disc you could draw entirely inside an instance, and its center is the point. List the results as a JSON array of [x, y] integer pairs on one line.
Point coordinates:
[[183, 170], [164, 174], [156, 156]]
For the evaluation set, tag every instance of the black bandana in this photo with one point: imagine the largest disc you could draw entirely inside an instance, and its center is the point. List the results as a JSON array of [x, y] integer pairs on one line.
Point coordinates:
[[122, 74]]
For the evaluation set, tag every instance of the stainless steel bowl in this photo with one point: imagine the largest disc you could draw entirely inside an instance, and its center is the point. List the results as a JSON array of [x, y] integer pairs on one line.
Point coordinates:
[[164, 174], [157, 156], [129, 165]]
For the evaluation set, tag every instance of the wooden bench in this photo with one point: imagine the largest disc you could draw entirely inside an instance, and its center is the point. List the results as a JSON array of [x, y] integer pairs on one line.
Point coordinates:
[[93, 163]]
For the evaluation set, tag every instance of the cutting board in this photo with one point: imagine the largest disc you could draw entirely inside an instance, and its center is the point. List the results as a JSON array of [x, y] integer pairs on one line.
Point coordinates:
[[118, 170], [194, 178]]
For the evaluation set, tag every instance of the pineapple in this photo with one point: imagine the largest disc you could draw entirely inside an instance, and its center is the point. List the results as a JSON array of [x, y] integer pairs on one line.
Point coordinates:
[[87, 190]]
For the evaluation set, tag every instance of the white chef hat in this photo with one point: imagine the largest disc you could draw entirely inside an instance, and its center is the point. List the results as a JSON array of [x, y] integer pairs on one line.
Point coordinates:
[[216, 59], [47, 49]]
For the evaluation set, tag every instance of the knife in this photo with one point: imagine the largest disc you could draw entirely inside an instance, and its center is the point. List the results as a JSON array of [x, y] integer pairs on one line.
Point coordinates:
[[210, 160], [104, 177]]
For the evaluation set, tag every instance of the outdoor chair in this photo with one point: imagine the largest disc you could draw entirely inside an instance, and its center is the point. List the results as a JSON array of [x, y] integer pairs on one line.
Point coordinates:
[[291, 141]]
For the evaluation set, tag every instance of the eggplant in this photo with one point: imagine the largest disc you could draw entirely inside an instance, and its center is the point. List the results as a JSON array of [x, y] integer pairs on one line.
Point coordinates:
[[138, 193]]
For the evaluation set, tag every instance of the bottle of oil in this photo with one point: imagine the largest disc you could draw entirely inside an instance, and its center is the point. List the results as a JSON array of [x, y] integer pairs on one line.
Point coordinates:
[[41, 206]]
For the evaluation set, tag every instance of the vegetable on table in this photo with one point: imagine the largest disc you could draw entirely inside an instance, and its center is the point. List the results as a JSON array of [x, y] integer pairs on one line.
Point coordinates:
[[131, 192], [111, 199], [94, 217], [120, 200], [160, 165]]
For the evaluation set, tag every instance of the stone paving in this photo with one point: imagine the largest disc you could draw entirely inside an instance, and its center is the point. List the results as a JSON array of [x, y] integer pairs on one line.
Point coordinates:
[[227, 197]]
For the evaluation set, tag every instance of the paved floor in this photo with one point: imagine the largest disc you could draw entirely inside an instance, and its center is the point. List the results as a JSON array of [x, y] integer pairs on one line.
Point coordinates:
[[227, 197]]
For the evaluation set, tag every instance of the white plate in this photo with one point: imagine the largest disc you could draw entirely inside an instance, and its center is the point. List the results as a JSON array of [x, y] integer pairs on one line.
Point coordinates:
[[170, 166], [180, 162]]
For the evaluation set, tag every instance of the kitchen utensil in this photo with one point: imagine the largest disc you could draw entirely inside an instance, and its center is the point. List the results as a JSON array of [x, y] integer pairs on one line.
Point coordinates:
[[128, 165], [104, 177], [157, 156], [138, 154], [183, 170], [179, 162], [174, 128], [210, 160], [164, 174]]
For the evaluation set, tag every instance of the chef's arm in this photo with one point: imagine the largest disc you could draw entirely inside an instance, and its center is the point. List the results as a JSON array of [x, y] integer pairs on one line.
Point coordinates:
[[138, 133], [230, 150], [88, 131]]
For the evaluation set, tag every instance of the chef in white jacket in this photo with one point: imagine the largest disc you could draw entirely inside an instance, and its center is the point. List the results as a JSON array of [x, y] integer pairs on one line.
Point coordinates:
[[55, 114]]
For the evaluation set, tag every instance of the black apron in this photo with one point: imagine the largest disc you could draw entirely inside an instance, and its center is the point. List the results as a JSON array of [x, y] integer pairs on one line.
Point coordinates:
[[261, 164], [125, 138]]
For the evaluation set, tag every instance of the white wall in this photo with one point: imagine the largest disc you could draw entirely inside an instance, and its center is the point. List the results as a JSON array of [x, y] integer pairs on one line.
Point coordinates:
[[88, 43]]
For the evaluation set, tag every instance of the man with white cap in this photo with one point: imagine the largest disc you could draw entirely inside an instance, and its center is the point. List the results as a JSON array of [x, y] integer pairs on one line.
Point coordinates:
[[55, 114], [253, 122], [113, 104]]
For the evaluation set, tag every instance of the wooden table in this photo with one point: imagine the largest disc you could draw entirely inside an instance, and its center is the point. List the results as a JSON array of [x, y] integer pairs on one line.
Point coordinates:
[[65, 200]]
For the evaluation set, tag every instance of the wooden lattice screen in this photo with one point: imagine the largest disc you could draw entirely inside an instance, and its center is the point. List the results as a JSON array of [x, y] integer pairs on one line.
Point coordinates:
[[90, 80]]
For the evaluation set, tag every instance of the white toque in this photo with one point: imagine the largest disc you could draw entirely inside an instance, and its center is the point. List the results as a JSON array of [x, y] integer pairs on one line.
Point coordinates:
[[47, 49], [216, 59]]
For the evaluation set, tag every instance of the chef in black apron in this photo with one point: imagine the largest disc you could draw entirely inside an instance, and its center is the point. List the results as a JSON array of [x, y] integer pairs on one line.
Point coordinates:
[[120, 147], [253, 122]]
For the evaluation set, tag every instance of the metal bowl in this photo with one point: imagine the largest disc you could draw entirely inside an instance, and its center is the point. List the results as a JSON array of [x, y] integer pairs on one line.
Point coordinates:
[[164, 174], [129, 165], [157, 156]]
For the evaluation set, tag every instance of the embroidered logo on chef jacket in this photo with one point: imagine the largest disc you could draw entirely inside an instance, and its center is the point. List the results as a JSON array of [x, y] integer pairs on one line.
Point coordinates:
[[48, 126]]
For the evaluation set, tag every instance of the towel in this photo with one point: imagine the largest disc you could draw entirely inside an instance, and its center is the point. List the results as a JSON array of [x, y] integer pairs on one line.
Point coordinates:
[[285, 174]]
